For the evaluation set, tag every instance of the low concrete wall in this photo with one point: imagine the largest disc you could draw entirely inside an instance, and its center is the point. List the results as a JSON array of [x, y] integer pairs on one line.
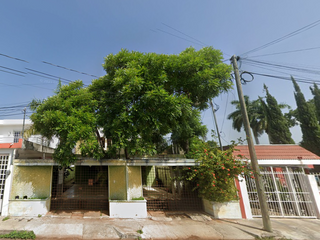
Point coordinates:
[[33, 182], [128, 209], [29, 207], [229, 210]]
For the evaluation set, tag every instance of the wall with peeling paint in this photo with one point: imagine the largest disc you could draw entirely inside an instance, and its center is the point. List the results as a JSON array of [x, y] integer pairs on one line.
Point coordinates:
[[117, 183], [135, 182], [33, 182]]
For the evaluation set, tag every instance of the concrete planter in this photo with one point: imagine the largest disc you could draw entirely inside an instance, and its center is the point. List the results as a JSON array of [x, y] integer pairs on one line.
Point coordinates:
[[128, 209], [29, 207], [229, 210]]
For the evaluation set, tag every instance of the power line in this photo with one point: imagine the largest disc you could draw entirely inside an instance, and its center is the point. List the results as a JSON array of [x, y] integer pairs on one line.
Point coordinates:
[[12, 73], [185, 34], [13, 69], [302, 80], [281, 66], [296, 32], [69, 69], [18, 59], [292, 51], [179, 37]]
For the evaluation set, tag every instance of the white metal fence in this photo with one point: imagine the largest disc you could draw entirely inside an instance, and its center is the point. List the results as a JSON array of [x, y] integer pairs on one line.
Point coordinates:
[[288, 194]]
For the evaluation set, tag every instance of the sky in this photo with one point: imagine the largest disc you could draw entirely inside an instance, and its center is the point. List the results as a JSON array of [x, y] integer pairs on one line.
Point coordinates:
[[42, 41]]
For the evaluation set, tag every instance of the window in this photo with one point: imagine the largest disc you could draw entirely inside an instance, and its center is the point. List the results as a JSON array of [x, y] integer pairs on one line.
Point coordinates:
[[16, 136]]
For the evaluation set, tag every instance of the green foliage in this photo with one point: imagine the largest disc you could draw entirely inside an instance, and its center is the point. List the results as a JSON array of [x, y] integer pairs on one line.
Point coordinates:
[[6, 218], [316, 99], [140, 231], [308, 121], [277, 124], [70, 116], [190, 126], [214, 177], [138, 198], [145, 96], [19, 235], [257, 119]]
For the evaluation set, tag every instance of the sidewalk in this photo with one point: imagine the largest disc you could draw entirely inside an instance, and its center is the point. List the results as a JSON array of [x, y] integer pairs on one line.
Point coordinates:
[[159, 225]]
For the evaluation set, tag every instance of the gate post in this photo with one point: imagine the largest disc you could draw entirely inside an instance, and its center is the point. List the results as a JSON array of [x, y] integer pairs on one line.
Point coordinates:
[[245, 197], [314, 194]]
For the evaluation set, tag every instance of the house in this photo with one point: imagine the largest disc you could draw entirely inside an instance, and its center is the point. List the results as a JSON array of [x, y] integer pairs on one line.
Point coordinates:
[[33, 183], [284, 169]]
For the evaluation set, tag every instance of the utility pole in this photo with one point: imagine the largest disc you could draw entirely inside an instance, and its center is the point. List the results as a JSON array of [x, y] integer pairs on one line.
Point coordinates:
[[24, 118], [253, 156], [215, 120]]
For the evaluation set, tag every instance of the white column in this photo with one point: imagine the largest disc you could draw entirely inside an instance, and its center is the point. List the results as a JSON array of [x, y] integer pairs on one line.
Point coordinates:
[[245, 197], [314, 194]]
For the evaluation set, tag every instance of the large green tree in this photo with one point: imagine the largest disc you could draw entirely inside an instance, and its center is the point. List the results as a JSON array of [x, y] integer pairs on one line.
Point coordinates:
[[256, 116], [316, 99], [308, 122], [70, 116], [277, 125], [145, 96]]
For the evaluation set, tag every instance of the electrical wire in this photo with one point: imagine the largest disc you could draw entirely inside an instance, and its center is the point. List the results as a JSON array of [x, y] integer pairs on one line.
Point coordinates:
[[179, 37], [184, 34], [70, 69], [18, 59], [12, 73], [281, 66], [292, 51], [296, 32]]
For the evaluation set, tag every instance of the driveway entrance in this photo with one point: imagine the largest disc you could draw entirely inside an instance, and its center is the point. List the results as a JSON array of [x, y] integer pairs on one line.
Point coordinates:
[[83, 188]]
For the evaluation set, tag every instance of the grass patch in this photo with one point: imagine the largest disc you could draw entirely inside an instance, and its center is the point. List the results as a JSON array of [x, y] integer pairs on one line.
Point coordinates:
[[6, 218], [140, 231], [138, 198], [19, 234]]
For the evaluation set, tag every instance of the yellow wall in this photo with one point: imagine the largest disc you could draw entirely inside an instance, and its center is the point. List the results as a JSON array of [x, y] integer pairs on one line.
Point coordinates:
[[117, 183], [135, 183], [33, 182]]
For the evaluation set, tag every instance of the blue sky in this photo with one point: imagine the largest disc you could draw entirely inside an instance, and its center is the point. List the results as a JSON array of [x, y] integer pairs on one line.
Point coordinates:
[[79, 34]]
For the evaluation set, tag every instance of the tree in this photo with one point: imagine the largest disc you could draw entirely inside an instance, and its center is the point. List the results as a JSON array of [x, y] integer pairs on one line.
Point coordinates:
[[256, 116], [188, 128], [277, 125], [316, 99], [145, 96], [308, 122], [70, 116]]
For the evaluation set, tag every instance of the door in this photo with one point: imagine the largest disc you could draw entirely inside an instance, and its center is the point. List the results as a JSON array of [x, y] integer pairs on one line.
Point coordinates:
[[4, 159]]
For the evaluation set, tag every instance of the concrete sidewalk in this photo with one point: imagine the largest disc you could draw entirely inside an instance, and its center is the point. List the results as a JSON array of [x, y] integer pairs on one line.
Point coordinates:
[[158, 226]]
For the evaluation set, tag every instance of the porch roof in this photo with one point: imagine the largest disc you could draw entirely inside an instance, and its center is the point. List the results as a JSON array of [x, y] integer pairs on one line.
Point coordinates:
[[112, 162]]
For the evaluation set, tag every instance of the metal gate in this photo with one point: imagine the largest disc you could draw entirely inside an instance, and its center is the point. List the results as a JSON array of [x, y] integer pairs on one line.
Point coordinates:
[[163, 190], [287, 193], [4, 159], [82, 188]]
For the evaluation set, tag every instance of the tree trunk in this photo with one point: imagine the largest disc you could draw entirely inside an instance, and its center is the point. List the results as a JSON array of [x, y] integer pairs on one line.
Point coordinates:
[[126, 153], [256, 138]]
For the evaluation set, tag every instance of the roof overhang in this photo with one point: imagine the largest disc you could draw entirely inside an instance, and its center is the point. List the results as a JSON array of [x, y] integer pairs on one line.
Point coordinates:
[[111, 162]]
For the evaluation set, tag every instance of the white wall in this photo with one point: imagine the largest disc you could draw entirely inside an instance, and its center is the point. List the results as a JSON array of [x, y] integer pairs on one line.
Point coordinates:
[[9, 126]]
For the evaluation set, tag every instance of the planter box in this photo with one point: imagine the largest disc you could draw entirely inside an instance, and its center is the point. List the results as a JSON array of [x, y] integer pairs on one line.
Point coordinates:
[[29, 207], [128, 209], [229, 210]]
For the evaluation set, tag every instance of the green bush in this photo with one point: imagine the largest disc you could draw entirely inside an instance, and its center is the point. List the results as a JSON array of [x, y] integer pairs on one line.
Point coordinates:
[[19, 235]]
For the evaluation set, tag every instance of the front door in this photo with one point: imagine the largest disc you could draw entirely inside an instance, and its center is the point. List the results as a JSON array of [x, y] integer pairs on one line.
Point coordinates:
[[4, 159]]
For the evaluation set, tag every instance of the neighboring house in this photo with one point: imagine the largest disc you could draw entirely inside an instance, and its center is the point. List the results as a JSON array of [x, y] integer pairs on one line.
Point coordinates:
[[284, 169], [282, 155], [11, 147]]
